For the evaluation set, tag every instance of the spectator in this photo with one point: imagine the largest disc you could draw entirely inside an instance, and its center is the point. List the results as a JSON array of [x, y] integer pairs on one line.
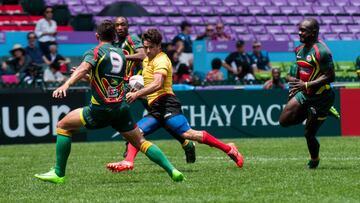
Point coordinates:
[[45, 30], [55, 57], [209, 33], [32, 74], [174, 58], [52, 74], [17, 64], [33, 51], [220, 34], [183, 75], [239, 64], [183, 44], [215, 74], [260, 58], [357, 66], [275, 81]]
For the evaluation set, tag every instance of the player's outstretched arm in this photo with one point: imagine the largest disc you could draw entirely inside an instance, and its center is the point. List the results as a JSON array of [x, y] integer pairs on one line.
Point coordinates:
[[156, 85], [138, 56], [79, 73]]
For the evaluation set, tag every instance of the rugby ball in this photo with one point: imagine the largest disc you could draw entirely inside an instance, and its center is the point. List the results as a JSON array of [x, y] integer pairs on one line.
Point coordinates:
[[136, 82]]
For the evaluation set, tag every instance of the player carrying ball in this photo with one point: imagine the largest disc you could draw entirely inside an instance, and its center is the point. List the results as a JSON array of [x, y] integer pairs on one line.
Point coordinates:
[[311, 96], [164, 106], [106, 66]]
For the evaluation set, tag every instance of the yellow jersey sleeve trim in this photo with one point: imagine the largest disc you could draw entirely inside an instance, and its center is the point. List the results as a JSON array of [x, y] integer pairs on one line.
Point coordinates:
[[93, 101], [82, 116]]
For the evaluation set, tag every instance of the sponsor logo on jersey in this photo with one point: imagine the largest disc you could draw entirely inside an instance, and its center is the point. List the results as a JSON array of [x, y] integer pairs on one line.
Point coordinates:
[[308, 58]]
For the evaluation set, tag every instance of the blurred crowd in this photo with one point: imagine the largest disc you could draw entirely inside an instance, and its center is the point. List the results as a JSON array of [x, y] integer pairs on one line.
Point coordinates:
[[40, 60]]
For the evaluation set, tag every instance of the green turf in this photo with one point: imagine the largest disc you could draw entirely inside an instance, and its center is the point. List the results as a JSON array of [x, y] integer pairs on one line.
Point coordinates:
[[274, 171]]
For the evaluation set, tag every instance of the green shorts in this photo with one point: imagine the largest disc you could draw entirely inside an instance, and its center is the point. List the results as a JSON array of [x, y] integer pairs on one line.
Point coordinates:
[[317, 105], [117, 116]]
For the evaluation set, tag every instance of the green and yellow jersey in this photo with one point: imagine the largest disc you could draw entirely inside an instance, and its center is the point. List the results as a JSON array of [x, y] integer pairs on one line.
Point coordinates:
[[129, 45], [312, 63], [107, 74]]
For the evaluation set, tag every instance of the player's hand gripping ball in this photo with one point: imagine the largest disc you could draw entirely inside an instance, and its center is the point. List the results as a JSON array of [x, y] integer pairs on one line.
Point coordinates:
[[136, 82]]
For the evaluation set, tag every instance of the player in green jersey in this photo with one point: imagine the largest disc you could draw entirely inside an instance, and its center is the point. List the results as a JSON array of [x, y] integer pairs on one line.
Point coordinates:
[[310, 95], [106, 66]]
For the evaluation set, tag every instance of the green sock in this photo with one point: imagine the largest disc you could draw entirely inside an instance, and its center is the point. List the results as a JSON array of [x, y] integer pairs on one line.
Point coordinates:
[[63, 148], [156, 155], [188, 146]]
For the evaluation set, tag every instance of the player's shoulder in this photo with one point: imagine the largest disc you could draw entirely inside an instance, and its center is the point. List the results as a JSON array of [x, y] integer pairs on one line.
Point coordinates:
[[162, 59], [133, 37], [323, 48], [299, 48]]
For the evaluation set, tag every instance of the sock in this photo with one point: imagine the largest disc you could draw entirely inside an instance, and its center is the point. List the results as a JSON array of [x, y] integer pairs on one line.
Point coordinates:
[[313, 146], [155, 154], [131, 153], [187, 145], [213, 142], [63, 148]]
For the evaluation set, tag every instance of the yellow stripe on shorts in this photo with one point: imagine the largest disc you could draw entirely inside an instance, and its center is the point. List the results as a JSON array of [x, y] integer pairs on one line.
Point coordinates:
[[321, 118], [186, 142], [145, 146]]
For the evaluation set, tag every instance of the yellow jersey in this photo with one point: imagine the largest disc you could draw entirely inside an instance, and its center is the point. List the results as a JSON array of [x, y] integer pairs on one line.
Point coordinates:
[[160, 64]]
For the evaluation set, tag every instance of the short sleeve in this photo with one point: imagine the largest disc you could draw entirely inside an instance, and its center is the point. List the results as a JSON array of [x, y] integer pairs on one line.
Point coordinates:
[[89, 58], [137, 42], [326, 61], [162, 66]]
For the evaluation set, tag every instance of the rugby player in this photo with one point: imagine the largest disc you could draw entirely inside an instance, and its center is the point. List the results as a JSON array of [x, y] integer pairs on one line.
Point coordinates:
[[106, 65], [134, 54], [164, 106], [311, 95]]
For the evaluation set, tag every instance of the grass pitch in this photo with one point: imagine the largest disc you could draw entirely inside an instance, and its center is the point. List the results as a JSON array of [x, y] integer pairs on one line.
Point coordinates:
[[274, 171]]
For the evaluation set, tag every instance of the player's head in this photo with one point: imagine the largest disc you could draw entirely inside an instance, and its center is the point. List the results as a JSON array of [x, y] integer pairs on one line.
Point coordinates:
[[105, 31], [121, 26], [151, 40], [309, 30], [48, 12], [216, 64], [275, 72], [240, 46], [185, 27]]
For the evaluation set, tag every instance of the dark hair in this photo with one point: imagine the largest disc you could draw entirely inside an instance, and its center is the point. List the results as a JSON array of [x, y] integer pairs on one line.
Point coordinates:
[[184, 24], [240, 43], [216, 63], [30, 33], [153, 36], [106, 30], [125, 18], [55, 65], [183, 69], [46, 7]]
